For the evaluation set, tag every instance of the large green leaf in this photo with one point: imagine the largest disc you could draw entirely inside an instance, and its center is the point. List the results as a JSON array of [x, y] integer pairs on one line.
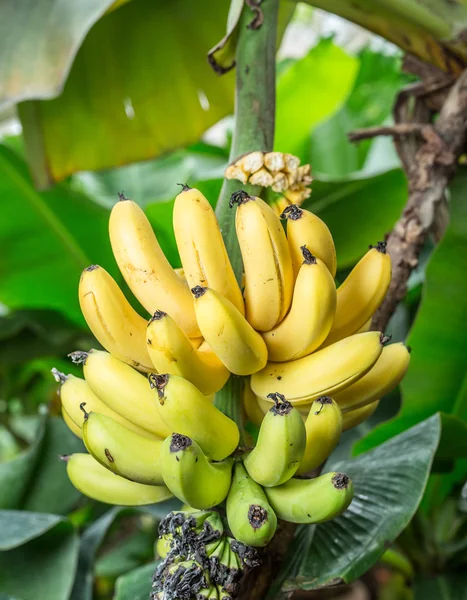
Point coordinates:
[[389, 482], [135, 585], [19, 527], [140, 86]]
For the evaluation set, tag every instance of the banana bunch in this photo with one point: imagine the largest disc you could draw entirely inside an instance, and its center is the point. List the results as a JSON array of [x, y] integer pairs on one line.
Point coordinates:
[[311, 367]]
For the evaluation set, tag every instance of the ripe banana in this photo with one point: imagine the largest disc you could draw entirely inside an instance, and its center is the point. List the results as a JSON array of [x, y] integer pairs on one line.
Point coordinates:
[[382, 378], [201, 247], [145, 268], [366, 327], [280, 446], [250, 517], [311, 315], [184, 409], [361, 293], [75, 391], [312, 500], [241, 349], [172, 352], [97, 482], [190, 476], [322, 373], [250, 404], [323, 431], [111, 318], [357, 416], [306, 229], [266, 260], [71, 424], [121, 450], [122, 389]]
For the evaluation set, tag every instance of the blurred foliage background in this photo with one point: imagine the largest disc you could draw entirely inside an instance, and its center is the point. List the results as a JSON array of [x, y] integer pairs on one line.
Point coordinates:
[[126, 101]]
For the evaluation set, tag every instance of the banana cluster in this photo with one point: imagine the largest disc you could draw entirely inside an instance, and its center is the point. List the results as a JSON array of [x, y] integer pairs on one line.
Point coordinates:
[[310, 365]]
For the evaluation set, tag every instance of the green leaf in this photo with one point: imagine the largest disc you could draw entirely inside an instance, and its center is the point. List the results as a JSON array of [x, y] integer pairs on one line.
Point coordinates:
[[37, 59], [389, 482], [140, 86], [42, 569], [135, 585], [308, 92], [442, 587], [132, 552], [19, 527], [359, 211]]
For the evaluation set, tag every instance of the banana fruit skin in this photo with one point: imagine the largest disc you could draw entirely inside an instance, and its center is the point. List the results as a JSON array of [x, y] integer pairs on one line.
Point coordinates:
[[240, 348], [249, 514], [323, 431], [145, 268], [311, 315], [361, 293], [280, 446], [266, 260], [122, 389], [121, 450], [72, 426], [382, 378], [201, 247], [305, 228], [111, 318], [352, 418], [251, 407], [191, 476], [312, 500], [171, 351], [97, 482], [185, 410], [322, 373]]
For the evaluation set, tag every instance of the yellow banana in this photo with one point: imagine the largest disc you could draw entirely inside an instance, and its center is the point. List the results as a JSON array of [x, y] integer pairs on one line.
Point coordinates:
[[322, 373], [253, 411], [306, 229], [266, 260], [311, 315], [361, 293], [184, 409], [201, 247], [366, 327], [97, 482], [113, 321], [145, 268], [171, 351], [280, 446], [121, 450], [357, 416], [72, 426], [75, 391], [191, 476], [240, 348], [122, 389], [383, 377], [323, 431]]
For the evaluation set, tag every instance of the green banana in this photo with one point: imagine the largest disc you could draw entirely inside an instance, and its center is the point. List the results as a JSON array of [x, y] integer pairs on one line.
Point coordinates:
[[280, 446], [312, 500], [190, 475], [249, 514]]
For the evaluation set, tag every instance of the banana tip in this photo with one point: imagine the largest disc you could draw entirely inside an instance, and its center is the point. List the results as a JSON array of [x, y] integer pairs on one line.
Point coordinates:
[[257, 516], [293, 212], [341, 481], [185, 187], [179, 442], [198, 291], [122, 197], [59, 376], [239, 197], [64, 457], [380, 246], [281, 405], [78, 357]]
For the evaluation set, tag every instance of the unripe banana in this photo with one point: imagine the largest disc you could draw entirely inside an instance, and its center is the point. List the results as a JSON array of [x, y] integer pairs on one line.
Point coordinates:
[[361, 293], [75, 391], [201, 247], [382, 378], [322, 373], [306, 229], [121, 450], [171, 351], [97, 482], [71, 424], [251, 519], [240, 348], [250, 404], [122, 389], [311, 315], [266, 260], [280, 446], [312, 500], [184, 409], [190, 476], [323, 431], [145, 268], [163, 545], [111, 318], [355, 417]]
